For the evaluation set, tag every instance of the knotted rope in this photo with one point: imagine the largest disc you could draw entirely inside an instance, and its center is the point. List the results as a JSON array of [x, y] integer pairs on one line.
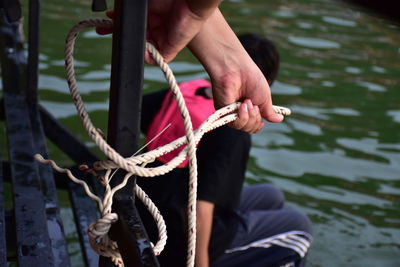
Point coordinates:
[[98, 230]]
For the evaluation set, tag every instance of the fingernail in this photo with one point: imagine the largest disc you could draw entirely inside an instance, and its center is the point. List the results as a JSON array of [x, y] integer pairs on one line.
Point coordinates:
[[245, 107], [280, 116], [249, 105]]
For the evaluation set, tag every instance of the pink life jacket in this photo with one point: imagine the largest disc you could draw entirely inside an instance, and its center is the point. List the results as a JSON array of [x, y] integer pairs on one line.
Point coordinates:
[[199, 108]]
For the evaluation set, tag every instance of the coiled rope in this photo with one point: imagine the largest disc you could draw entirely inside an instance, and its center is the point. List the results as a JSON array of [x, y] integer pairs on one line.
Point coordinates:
[[98, 230]]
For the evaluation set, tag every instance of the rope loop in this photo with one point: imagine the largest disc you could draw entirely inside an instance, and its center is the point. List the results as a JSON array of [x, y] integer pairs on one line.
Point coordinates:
[[136, 165]]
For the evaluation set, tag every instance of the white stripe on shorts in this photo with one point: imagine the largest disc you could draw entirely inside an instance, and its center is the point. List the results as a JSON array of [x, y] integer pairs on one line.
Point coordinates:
[[298, 241]]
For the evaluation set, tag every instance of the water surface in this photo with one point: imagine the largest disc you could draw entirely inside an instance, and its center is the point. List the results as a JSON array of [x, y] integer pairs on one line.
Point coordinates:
[[337, 158]]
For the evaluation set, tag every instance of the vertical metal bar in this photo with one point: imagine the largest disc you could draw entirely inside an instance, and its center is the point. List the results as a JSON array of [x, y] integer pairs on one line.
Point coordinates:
[[54, 222], [99, 5], [123, 130], [33, 51], [3, 248], [127, 75]]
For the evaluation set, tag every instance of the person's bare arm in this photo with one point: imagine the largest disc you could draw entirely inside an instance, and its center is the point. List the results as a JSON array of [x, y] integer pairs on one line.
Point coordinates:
[[173, 23], [203, 8], [204, 220], [233, 73]]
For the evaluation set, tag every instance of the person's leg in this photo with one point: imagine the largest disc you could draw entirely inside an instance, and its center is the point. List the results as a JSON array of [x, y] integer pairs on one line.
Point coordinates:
[[261, 197], [268, 238]]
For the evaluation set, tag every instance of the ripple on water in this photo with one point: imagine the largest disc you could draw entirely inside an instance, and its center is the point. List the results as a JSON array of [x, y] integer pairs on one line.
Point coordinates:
[[328, 193], [313, 42], [372, 86], [305, 127], [184, 67], [305, 25], [281, 88], [57, 84], [315, 75], [95, 75], [386, 189], [183, 71], [359, 242], [353, 70], [64, 110], [284, 14], [378, 69], [345, 111], [310, 112], [373, 147], [275, 138], [395, 114], [328, 84], [286, 162], [339, 21], [320, 113]]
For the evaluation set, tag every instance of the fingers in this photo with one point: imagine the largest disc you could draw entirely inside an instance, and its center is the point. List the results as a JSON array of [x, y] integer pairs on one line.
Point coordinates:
[[103, 30], [148, 58], [268, 113], [249, 118], [110, 14]]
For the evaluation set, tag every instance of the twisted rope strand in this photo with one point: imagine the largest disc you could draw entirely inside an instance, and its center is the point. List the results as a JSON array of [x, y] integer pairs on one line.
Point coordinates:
[[54, 166]]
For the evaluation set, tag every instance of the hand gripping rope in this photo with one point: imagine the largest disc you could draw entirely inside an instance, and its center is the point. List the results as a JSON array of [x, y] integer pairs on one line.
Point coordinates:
[[135, 165]]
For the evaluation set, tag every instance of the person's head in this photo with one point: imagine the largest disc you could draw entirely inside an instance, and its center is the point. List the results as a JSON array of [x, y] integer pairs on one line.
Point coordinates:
[[264, 54]]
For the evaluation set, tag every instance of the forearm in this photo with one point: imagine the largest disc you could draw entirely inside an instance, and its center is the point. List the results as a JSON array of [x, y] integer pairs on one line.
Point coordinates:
[[234, 75], [223, 56], [215, 44], [204, 220], [203, 8]]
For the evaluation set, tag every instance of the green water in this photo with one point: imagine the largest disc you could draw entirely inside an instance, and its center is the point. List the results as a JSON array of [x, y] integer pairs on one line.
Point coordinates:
[[336, 158]]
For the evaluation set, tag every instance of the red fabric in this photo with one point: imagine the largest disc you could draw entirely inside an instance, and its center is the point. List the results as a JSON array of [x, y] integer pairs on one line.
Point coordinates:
[[199, 109]]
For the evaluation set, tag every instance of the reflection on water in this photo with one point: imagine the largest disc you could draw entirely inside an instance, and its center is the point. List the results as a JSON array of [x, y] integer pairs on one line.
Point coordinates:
[[337, 158], [339, 21], [313, 42]]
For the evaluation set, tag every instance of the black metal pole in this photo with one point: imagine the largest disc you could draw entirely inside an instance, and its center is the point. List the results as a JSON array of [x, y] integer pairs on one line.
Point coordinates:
[[123, 129], [33, 52], [54, 222]]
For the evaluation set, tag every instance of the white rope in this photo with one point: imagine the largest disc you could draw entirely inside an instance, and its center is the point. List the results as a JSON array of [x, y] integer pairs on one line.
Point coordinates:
[[98, 230]]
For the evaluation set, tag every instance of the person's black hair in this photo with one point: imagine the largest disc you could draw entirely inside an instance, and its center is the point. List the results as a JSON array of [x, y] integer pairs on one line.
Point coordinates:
[[264, 54]]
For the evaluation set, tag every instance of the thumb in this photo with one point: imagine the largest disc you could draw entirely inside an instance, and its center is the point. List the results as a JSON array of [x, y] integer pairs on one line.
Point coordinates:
[[110, 14], [104, 30], [268, 113]]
